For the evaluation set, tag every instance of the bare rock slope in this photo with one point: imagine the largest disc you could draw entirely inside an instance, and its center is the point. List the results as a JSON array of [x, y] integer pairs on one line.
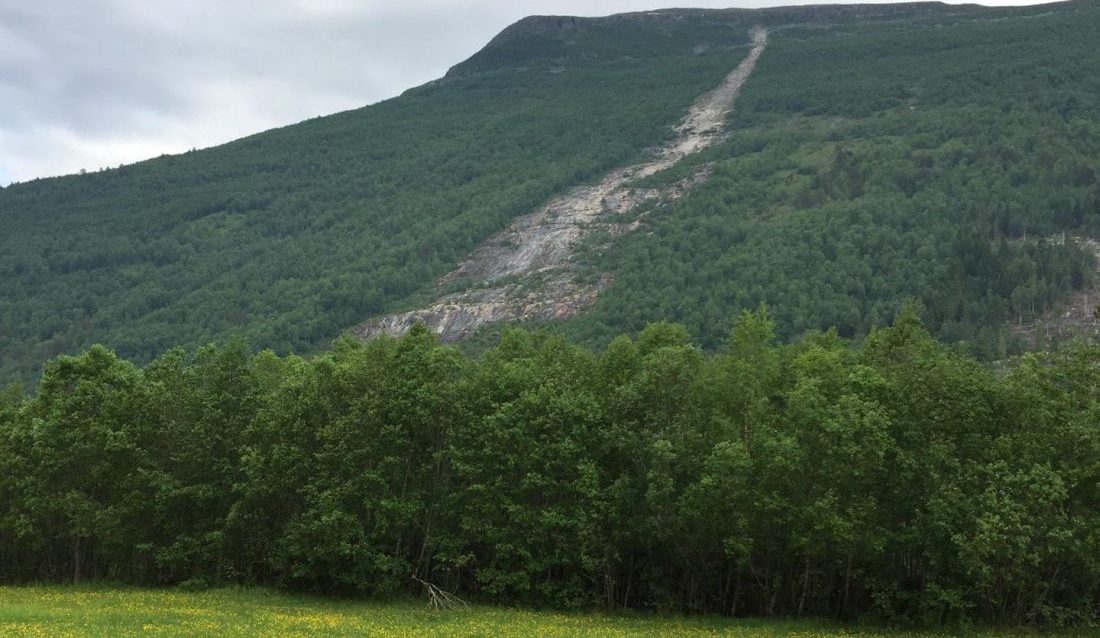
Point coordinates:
[[523, 272]]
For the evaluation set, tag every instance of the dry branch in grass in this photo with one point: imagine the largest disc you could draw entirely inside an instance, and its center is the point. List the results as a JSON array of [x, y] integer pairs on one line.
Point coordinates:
[[440, 600]]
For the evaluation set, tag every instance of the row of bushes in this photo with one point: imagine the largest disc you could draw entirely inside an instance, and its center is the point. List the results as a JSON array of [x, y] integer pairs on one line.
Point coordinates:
[[899, 478]]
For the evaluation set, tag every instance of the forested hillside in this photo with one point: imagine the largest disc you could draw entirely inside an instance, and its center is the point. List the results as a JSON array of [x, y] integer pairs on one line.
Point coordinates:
[[289, 237], [926, 159], [900, 479], [832, 452], [876, 154]]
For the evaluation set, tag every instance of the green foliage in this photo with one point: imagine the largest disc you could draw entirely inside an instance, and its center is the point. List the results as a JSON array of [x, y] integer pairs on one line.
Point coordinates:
[[878, 154], [689, 468], [899, 479], [287, 238], [936, 160]]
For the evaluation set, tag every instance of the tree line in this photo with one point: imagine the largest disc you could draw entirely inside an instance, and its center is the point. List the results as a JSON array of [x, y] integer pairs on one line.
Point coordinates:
[[899, 478]]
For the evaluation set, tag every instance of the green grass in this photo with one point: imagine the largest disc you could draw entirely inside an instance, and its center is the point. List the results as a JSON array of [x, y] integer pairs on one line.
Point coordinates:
[[59, 612]]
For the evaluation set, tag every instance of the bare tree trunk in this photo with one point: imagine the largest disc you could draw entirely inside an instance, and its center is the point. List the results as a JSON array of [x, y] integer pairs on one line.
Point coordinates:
[[805, 585], [76, 560], [421, 565], [629, 581], [726, 589], [404, 489], [736, 590], [847, 584], [1046, 590]]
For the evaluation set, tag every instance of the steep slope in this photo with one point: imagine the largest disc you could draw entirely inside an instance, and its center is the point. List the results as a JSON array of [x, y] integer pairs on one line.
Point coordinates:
[[876, 153], [289, 237], [536, 250], [872, 163], [922, 155]]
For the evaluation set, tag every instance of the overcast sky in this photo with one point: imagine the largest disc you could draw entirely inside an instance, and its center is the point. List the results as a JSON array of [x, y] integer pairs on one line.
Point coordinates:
[[95, 83]]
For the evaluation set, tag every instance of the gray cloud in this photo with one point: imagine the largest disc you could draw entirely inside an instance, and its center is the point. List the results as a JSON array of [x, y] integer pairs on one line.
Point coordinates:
[[97, 83]]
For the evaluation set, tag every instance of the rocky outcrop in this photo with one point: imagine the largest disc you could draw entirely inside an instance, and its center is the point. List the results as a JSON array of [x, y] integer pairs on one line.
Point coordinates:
[[524, 272], [459, 315]]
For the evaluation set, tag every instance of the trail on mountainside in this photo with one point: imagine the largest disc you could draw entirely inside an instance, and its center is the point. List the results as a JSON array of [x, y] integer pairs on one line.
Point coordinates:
[[523, 273]]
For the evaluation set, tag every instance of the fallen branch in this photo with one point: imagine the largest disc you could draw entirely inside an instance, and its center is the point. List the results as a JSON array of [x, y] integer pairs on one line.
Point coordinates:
[[439, 599]]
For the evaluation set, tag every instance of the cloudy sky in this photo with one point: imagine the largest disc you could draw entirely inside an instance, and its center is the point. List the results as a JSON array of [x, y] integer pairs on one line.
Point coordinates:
[[95, 83]]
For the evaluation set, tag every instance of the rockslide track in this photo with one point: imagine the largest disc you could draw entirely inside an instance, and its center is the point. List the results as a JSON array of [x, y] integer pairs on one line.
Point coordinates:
[[523, 272]]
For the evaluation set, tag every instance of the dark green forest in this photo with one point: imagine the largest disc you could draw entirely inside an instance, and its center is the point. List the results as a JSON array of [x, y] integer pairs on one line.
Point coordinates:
[[287, 238], [870, 164], [901, 186], [878, 153], [899, 479]]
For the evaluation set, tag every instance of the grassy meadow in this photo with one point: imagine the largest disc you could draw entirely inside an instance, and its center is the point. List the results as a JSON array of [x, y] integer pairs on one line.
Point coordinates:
[[64, 612]]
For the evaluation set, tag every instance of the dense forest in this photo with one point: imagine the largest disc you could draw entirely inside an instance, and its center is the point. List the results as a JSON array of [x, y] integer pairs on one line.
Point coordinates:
[[900, 187], [287, 238], [877, 154], [898, 478], [872, 163]]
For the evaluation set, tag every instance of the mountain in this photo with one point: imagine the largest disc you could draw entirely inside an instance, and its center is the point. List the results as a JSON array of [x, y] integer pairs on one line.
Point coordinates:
[[873, 154]]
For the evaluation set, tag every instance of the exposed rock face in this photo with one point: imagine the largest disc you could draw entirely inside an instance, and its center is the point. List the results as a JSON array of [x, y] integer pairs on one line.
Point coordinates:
[[460, 315], [533, 255]]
